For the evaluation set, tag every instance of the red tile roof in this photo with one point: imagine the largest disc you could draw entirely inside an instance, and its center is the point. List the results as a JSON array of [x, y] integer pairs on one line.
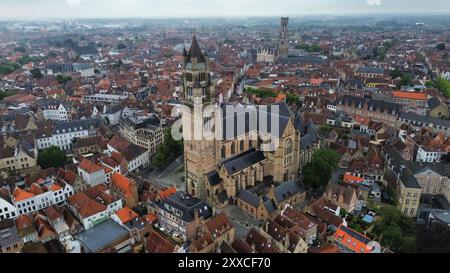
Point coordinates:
[[85, 206], [409, 95], [123, 183], [20, 195], [89, 166], [126, 215]]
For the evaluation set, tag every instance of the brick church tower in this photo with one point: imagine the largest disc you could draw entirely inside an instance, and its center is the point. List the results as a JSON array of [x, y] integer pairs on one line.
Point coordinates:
[[198, 93]]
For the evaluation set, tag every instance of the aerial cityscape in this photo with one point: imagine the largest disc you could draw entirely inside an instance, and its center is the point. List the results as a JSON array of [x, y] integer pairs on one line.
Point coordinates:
[[265, 130]]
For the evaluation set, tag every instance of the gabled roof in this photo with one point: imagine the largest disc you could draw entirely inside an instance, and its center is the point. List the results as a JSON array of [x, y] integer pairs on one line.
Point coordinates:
[[89, 166], [123, 183], [85, 206], [286, 190], [158, 244], [353, 240], [213, 178], [20, 195], [243, 161], [218, 225], [249, 198], [261, 243]]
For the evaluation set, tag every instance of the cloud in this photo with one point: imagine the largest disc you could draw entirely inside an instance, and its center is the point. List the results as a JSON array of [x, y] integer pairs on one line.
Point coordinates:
[[374, 3], [72, 3]]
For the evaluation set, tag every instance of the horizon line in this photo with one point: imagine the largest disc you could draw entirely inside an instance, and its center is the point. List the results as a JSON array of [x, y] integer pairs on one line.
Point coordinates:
[[249, 16]]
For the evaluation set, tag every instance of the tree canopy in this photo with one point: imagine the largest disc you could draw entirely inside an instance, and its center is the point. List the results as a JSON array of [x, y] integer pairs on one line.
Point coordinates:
[[8, 68], [396, 230], [36, 73], [442, 85], [167, 151], [309, 48], [440, 46], [318, 172], [405, 80], [63, 79], [7, 93], [52, 157]]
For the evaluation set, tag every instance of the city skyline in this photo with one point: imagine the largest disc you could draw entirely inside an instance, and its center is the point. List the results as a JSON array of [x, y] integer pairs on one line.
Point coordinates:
[[51, 9]]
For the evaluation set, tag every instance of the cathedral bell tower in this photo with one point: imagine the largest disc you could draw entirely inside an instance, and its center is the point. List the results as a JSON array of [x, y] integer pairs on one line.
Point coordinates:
[[283, 46], [198, 93]]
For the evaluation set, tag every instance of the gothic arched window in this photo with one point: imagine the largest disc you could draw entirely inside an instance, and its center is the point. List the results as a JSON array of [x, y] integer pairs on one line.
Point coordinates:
[[233, 148], [223, 151], [241, 146], [288, 146]]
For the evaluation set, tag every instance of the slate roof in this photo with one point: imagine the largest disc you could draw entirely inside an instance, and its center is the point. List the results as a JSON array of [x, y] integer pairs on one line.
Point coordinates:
[[76, 125], [279, 112], [86, 50], [310, 138], [249, 198], [8, 233], [243, 161], [433, 102], [376, 105], [370, 70], [424, 119], [301, 60], [187, 204], [213, 178], [286, 190], [270, 206], [195, 52]]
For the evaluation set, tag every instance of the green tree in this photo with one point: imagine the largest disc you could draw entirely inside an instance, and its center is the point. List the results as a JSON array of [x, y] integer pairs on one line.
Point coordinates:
[[36, 73], [52, 157], [443, 86], [325, 129], [343, 212], [292, 99], [406, 80], [318, 172], [262, 93], [396, 230], [20, 49], [309, 48], [440, 46], [121, 46], [63, 79], [8, 68], [7, 93], [168, 150], [52, 54], [396, 73]]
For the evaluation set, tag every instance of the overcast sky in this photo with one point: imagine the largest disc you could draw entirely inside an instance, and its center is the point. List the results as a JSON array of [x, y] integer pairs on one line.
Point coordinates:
[[26, 9]]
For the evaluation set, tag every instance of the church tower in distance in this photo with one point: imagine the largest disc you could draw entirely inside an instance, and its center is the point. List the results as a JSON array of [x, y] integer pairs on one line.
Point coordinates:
[[283, 46], [198, 93]]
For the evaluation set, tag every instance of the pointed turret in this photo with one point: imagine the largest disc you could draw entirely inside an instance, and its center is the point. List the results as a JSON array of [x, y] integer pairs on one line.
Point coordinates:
[[196, 52]]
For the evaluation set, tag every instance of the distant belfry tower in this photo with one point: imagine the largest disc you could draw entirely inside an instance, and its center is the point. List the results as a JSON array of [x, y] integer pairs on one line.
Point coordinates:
[[198, 92], [283, 46]]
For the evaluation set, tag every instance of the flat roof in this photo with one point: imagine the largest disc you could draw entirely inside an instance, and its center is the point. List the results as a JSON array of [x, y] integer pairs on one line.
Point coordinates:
[[100, 236]]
